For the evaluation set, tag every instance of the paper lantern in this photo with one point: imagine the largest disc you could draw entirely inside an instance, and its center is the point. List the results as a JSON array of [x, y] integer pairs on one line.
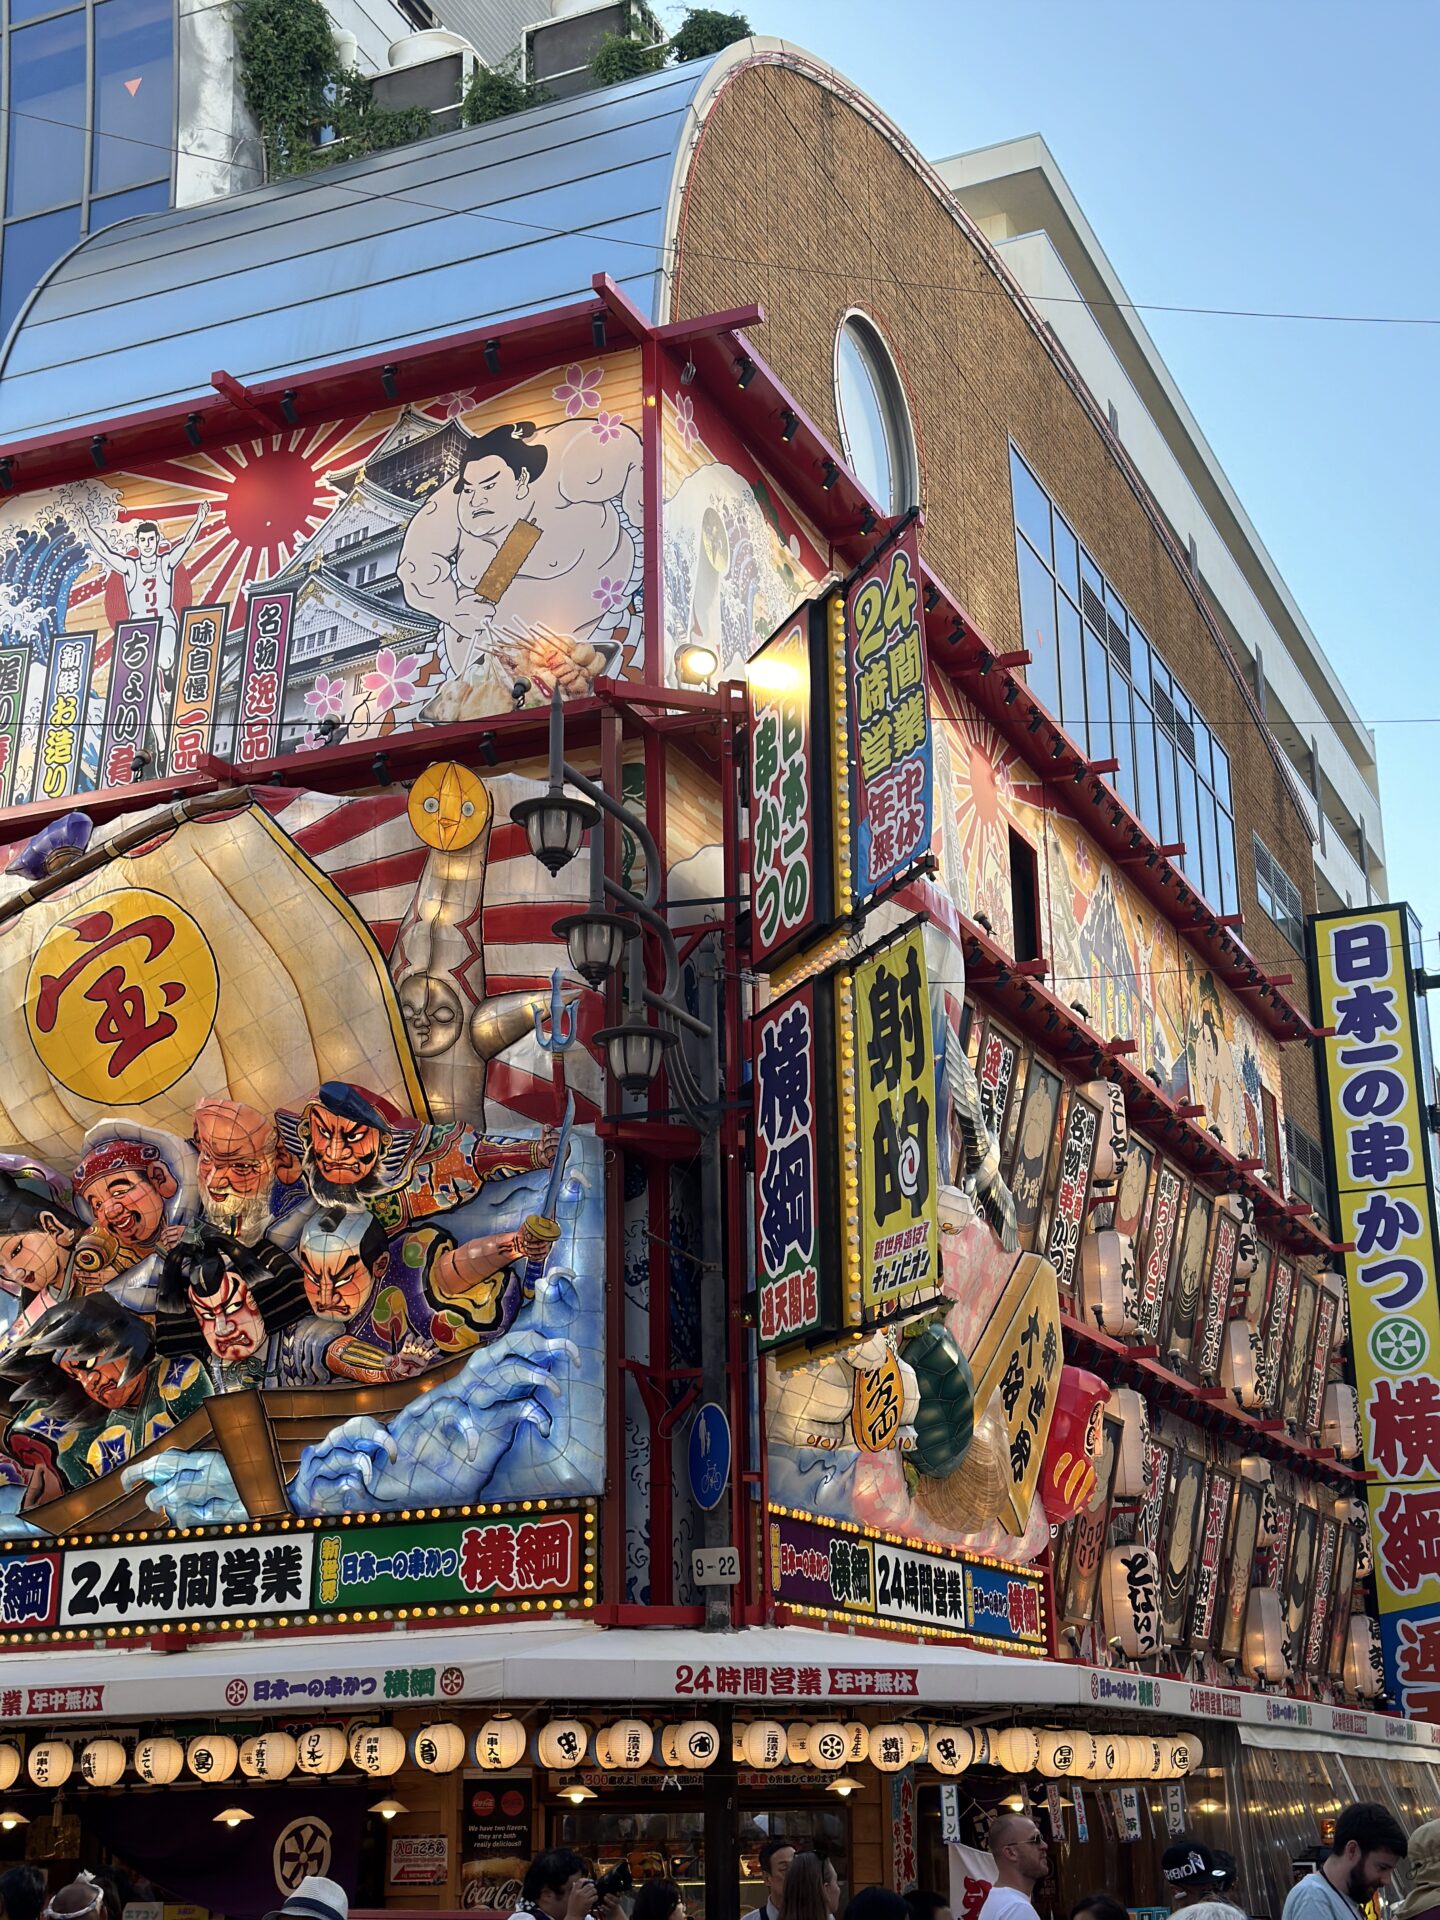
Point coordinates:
[[951, 1749], [983, 1738], [1132, 1459], [669, 1752], [1183, 1753], [1107, 1759], [1130, 1586], [797, 1742], [1082, 1756], [1271, 1509], [1247, 1240], [1364, 1668], [1240, 1363], [697, 1742], [1147, 1757], [212, 1756], [564, 1743], [1113, 1140], [377, 1751], [321, 1750], [829, 1747], [1015, 1750], [1072, 1446], [101, 1762], [158, 1762], [1109, 1292], [500, 1745], [50, 1764], [9, 1766], [919, 1740], [1264, 1647], [857, 1742], [763, 1744], [631, 1744], [889, 1747], [1334, 1283], [268, 1756], [1054, 1754], [438, 1749], [1340, 1427]]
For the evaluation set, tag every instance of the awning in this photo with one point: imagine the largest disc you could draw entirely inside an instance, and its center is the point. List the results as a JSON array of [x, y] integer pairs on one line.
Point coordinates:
[[1304, 1740]]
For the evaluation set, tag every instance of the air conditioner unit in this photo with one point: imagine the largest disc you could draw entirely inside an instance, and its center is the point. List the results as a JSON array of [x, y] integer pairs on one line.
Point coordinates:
[[428, 69], [558, 51]]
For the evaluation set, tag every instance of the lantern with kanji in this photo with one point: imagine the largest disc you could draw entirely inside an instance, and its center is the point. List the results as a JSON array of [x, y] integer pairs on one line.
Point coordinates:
[[951, 1749], [697, 1744], [1364, 1668], [1113, 1144], [1067, 1473], [1083, 1752], [889, 1747], [1108, 1289], [321, 1750], [101, 1762], [1240, 1371], [1132, 1456], [1015, 1749], [50, 1763], [213, 1756], [377, 1751], [500, 1745], [438, 1748], [631, 1744], [1264, 1653], [762, 1744], [268, 1756], [1055, 1754], [1247, 1239], [1340, 1428], [563, 1743], [1130, 1589], [828, 1746], [9, 1766], [158, 1762]]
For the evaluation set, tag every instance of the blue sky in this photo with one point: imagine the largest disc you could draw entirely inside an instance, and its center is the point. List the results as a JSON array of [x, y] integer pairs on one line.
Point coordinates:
[[1265, 155]]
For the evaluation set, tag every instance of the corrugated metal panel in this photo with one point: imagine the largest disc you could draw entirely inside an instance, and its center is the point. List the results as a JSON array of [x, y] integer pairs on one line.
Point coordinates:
[[404, 247]]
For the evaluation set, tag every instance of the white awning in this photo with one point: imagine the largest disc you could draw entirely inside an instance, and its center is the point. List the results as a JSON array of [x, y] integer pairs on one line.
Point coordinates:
[[1305, 1740]]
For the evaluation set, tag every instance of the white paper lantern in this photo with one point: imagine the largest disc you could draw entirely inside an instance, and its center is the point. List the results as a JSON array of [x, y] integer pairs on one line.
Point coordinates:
[[889, 1747], [9, 1766], [1107, 1760], [919, 1739], [500, 1745], [1108, 1289], [377, 1751], [857, 1742], [1132, 1459], [631, 1744], [439, 1748], [1147, 1757], [1015, 1749], [1130, 1587], [212, 1756], [320, 1750], [604, 1756], [561, 1744], [828, 1746], [697, 1742], [1184, 1753], [669, 1748], [51, 1763], [1340, 1427], [1364, 1668], [1247, 1247], [1240, 1363], [1334, 1283], [1054, 1754], [1082, 1756], [763, 1744], [951, 1749], [158, 1762], [1264, 1647], [269, 1756], [797, 1743], [102, 1762]]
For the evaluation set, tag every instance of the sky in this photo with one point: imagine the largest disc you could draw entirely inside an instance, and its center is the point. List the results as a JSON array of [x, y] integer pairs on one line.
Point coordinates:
[[1267, 155]]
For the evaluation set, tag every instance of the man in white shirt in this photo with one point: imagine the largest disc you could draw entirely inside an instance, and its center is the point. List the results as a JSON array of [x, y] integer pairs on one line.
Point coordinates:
[[775, 1857], [1368, 1846], [1022, 1860]]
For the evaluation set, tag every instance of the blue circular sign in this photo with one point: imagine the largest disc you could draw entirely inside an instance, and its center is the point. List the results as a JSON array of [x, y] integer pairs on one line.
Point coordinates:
[[709, 1455]]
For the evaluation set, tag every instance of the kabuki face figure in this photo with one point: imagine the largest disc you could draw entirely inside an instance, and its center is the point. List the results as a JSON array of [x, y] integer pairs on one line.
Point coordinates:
[[236, 1146], [125, 1184], [343, 1254], [35, 1257], [345, 1134], [232, 1323]]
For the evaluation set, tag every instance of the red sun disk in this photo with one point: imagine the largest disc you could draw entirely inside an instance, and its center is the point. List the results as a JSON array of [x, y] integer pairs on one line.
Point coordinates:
[[270, 501]]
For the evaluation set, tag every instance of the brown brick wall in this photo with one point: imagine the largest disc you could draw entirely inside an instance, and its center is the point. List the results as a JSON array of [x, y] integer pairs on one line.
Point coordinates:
[[797, 201]]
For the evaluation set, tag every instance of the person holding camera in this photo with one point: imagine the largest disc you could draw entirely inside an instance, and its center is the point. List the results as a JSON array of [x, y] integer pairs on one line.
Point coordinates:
[[560, 1885]]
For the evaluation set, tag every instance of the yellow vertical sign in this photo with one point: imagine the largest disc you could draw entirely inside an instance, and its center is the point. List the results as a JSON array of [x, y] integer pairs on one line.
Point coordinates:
[[894, 1120], [1379, 1142]]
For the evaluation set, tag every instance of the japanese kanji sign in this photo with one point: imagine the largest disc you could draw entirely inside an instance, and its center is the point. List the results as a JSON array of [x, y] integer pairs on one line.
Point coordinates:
[[499, 1557], [197, 676], [127, 705], [1361, 969], [795, 1218], [790, 876], [1159, 1245], [1067, 1218], [1018, 1356], [12, 709], [267, 646], [149, 1582], [895, 1141], [889, 718], [67, 687], [838, 1569]]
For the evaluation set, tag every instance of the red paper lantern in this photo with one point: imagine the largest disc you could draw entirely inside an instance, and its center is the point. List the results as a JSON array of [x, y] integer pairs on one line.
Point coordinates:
[[1067, 1475]]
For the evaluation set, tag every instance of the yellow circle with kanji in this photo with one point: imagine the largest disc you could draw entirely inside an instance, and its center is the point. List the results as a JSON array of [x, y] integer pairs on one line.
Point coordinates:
[[121, 997]]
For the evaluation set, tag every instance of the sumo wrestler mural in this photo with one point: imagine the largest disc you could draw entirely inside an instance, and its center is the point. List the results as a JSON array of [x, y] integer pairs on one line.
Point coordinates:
[[282, 1180]]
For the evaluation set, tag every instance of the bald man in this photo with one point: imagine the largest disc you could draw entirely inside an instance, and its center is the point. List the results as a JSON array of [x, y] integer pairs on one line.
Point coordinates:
[[1022, 1861]]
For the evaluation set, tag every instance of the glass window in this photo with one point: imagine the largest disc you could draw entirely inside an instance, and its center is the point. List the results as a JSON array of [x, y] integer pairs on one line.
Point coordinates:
[[1209, 848], [1222, 773], [133, 108], [21, 10], [1037, 623], [1072, 670], [47, 115], [1189, 819], [1124, 746], [1147, 795], [1279, 895], [124, 206], [1229, 889], [1097, 698], [875, 432], [1139, 661], [32, 246], [1067, 557], [1165, 769], [1032, 507]]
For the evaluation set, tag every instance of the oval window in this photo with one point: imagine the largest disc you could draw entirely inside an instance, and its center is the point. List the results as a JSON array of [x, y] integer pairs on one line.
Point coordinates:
[[875, 434]]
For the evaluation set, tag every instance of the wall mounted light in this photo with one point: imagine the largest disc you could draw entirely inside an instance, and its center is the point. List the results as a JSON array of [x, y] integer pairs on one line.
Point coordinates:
[[387, 1809], [232, 1817]]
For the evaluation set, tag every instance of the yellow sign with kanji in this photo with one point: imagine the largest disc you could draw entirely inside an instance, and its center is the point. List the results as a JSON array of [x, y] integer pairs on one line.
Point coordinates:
[[1379, 1141], [1018, 1359], [894, 1140]]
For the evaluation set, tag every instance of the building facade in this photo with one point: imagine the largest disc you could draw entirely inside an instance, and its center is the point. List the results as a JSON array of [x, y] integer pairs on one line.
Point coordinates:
[[646, 1181]]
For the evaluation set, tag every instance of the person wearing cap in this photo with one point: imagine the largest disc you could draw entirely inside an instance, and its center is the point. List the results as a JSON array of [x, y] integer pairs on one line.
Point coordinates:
[[1368, 1846], [315, 1899], [1423, 1900], [1193, 1876]]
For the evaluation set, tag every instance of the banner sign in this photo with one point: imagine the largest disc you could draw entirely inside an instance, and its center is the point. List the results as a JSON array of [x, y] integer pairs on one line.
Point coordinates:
[[794, 1139], [1218, 1490], [888, 718], [1314, 1409], [1164, 1218], [503, 1557], [790, 808], [828, 1567], [133, 666], [893, 1152], [267, 647], [197, 675], [1222, 1268], [1277, 1326], [1077, 1156], [1379, 1150], [63, 719], [12, 710]]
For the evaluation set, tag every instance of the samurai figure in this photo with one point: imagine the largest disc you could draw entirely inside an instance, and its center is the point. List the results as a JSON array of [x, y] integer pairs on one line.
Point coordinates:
[[243, 1311]]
